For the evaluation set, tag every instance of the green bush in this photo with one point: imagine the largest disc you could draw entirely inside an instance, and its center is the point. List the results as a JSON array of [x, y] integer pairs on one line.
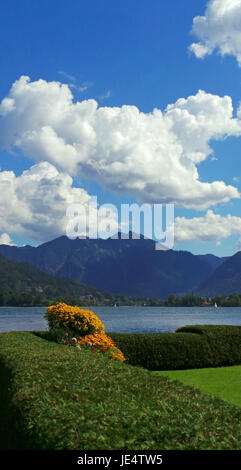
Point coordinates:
[[224, 342], [190, 347], [58, 398]]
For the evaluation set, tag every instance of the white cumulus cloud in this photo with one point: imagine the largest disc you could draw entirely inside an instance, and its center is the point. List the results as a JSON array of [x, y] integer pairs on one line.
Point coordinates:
[[34, 203], [5, 239], [219, 29], [210, 228], [152, 156]]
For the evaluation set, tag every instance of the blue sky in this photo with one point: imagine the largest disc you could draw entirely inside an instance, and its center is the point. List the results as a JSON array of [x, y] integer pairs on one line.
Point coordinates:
[[133, 53]]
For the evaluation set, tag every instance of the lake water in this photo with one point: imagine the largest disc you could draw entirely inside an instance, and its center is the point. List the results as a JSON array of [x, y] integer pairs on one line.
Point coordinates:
[[127, 319]]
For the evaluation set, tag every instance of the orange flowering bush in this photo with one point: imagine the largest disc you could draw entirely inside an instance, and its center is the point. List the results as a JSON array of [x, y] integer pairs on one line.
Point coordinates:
[[104, 343], [115, 353], [97, 339], [67, 320]]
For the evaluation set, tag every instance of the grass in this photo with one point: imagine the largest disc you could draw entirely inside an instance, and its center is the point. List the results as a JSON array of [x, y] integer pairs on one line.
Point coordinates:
[[221, 382], [56, 397]]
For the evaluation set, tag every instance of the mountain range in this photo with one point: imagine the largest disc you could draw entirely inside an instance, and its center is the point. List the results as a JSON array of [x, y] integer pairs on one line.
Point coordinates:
[[132, 266]]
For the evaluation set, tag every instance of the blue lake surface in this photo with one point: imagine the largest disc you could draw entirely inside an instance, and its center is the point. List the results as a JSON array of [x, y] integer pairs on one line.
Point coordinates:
[[127, 319]]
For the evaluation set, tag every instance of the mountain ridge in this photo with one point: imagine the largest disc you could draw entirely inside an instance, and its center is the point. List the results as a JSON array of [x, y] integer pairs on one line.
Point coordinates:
[[126, 266], [24, 283], [225, 280]]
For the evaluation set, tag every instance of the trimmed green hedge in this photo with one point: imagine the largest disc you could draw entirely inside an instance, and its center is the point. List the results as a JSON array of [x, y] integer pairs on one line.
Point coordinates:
[[59, 398], [224, 342], [190, 347]]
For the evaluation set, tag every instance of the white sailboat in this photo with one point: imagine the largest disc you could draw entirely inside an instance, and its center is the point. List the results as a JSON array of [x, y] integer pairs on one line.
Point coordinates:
[[215, 305]]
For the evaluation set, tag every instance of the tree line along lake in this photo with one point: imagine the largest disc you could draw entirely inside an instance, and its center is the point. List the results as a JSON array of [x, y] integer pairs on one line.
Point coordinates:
[[123, 319]]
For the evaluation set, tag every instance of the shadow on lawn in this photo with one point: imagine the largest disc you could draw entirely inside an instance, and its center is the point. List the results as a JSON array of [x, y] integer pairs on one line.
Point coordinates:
[[13, 434]]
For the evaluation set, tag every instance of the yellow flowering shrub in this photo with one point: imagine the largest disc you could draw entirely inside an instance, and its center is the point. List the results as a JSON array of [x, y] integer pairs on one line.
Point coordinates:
[[79, 320], [85, 325]]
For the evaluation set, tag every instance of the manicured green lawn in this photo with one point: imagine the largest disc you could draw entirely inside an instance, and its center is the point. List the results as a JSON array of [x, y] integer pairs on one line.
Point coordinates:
[[221, 382]]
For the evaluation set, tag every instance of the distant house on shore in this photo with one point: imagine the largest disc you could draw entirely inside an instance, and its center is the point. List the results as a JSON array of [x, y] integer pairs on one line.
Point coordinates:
[[88, 296], [207, 302]]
